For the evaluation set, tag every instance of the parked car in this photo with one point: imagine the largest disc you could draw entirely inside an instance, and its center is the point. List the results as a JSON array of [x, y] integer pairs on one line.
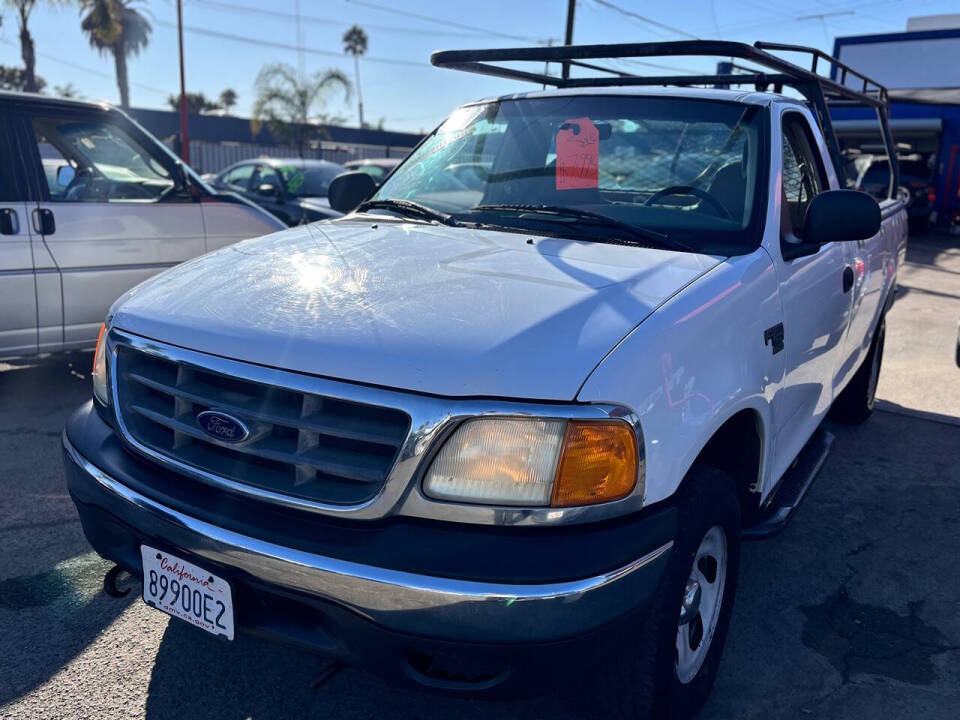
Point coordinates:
[[293, 190], [917, 174], [490, 440], [377, 168], [90, 205]]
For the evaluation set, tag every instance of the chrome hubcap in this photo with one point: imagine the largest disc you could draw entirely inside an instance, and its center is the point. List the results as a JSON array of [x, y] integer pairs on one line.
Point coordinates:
[[700, 608]]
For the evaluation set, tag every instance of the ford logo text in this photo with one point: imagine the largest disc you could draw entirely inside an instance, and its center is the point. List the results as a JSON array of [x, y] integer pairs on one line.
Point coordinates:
[[223, 427]]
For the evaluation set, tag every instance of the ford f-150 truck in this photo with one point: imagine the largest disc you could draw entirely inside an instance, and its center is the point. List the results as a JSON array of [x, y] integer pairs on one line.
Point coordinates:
[[489, 437]]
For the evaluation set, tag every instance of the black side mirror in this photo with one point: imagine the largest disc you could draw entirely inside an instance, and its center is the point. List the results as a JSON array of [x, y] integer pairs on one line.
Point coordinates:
[[836, 215], [181, 182], [349, 189], [267, 190]]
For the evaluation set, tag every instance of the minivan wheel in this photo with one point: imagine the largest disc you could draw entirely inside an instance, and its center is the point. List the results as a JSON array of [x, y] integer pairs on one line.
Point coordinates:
[[855, 403], [667, 670]]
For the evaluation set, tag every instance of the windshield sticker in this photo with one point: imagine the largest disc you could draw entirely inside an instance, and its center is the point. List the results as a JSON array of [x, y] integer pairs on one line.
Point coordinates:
[[294, 177], [578, 155]]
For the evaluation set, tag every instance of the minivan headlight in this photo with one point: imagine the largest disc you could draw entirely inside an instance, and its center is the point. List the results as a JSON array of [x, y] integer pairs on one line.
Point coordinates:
[[535, 462], [100, 368]]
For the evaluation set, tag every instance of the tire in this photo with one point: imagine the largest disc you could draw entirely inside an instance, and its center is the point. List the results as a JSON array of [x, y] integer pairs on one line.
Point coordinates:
[[648, 680], [920, 226], [855, 404]]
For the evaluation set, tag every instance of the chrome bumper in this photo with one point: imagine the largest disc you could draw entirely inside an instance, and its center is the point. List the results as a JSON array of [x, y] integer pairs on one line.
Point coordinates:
[[434, 607]]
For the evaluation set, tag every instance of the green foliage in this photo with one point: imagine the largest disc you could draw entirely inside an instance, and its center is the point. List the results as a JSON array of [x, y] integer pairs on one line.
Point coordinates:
[[15, 78], [117, 28], [289, 104], [228, 98], [66, 91], [355, 41], [196, 103]]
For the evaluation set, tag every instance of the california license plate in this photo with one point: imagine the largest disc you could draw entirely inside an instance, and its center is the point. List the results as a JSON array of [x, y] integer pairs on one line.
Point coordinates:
[[186, 591]]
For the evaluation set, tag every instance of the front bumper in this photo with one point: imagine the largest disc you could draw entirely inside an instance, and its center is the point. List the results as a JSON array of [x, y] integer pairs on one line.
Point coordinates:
[[366, 614]]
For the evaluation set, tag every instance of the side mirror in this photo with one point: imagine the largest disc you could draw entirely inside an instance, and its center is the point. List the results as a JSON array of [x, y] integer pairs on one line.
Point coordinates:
[[65, 175], [349, 189], [836, 215], [267, 190]]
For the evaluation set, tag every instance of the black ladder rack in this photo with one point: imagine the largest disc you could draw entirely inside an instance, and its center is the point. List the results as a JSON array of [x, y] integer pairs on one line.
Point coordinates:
[[774, 72]]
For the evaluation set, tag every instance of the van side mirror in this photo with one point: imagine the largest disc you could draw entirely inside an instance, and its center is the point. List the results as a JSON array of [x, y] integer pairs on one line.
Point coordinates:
[[349, 189], [836, 215]]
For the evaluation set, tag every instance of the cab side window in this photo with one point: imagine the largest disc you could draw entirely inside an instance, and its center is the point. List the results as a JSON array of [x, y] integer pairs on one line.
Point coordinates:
[[803, 175], [89, 159], [239, 177]]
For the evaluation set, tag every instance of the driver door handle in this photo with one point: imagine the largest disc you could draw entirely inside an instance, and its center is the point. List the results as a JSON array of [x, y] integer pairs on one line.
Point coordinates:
[[43, 222], [847, 278], [9, 225]]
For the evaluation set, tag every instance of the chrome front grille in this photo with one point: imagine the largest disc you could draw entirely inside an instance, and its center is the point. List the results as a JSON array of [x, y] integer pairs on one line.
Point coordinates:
[[302, 445]]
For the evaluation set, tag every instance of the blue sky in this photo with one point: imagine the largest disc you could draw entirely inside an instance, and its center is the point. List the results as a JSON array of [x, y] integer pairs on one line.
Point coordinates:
[[411, 95]]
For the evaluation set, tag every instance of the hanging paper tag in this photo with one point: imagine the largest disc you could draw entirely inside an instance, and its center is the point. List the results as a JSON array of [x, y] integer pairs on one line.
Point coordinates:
[[578, 154]]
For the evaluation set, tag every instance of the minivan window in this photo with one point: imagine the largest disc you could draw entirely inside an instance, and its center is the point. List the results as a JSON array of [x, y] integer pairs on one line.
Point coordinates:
[[691, 169], [93, 160]]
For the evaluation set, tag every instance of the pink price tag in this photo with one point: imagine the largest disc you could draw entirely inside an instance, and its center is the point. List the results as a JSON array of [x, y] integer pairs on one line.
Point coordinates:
[[578, 155]]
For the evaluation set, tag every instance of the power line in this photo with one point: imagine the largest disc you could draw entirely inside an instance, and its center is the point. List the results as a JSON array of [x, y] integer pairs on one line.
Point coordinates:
[[448, 23], [644, 19], [88, 70], [285, 46], [328, 22]]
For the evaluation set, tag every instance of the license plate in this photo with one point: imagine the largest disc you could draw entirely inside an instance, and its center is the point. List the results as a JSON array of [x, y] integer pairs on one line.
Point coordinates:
[[186, 591]]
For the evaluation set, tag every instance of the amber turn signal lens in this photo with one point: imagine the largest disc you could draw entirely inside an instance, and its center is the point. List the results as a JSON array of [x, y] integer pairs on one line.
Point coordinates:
[[100, 368], [598, 463]]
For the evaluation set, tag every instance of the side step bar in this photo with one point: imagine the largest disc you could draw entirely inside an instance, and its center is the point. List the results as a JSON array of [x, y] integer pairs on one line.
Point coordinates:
[[793, 488]]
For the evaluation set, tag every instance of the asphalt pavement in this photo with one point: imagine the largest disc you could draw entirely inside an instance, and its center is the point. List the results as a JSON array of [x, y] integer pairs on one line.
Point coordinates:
[[851, 612]]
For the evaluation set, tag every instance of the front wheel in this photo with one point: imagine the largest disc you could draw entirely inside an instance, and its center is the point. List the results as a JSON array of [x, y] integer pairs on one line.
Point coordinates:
[[669, 668]]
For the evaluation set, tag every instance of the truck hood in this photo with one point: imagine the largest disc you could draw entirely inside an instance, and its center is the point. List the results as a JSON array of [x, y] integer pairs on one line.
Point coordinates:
[[412, 306]]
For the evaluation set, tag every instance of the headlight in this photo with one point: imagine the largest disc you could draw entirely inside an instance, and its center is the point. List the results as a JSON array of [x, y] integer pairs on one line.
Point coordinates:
[[100, 368], [535, 462]]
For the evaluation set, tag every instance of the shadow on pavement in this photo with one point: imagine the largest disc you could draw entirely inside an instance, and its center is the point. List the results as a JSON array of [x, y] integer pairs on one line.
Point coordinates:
[[196, 675]]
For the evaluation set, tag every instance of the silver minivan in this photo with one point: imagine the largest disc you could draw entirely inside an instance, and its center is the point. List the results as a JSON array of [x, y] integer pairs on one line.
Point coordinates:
[[90, 205]]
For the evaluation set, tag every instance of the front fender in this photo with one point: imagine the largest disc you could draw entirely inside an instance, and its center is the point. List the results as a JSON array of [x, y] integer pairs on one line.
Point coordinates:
[[695, 362]]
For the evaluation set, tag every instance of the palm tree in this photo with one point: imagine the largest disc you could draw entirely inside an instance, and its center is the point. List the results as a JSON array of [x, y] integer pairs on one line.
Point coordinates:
[[27, 50], [228, 99], [286, 100], [355, 43], [118, 28]]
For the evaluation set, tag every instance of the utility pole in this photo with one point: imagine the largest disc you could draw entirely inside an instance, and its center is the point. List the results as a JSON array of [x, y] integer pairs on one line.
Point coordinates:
[[568, 37], [184, 134]]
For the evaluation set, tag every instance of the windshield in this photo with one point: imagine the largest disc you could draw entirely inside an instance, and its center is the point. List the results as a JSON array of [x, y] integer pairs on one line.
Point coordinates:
[[688, 169], [309, 181]]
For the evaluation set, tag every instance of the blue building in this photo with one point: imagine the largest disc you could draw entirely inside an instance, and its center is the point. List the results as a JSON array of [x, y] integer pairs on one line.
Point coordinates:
[[921, 69]]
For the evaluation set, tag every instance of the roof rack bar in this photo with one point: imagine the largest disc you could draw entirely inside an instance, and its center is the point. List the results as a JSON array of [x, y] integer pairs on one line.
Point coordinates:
[[756, 79], [818, 55], [820, 91], [480, 61], [612, 71]]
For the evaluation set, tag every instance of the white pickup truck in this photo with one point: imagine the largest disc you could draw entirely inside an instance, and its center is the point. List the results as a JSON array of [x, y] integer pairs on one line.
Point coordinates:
[[505, 424]]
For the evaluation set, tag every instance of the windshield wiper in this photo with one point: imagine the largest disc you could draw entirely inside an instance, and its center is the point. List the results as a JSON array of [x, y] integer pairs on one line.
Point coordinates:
[[408, 208], [644, 235]]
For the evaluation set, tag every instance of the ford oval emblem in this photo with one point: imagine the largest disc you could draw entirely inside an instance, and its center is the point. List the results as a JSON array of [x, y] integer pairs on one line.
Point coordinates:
[[223, 427]]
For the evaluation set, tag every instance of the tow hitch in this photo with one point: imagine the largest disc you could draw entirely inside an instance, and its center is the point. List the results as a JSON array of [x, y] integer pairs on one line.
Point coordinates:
[[110, 580]]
